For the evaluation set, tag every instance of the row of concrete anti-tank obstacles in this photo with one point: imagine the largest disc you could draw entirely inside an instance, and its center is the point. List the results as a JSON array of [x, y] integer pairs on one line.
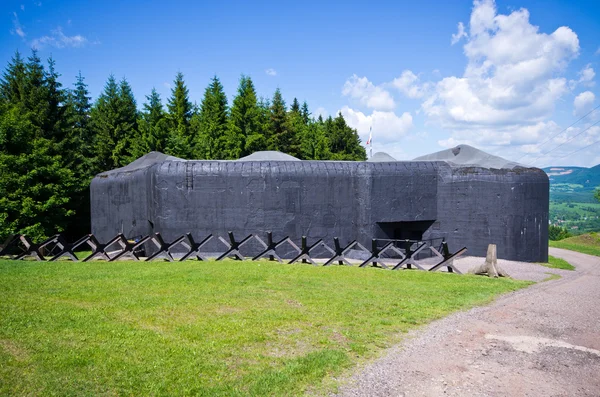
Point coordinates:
[[20, 246]]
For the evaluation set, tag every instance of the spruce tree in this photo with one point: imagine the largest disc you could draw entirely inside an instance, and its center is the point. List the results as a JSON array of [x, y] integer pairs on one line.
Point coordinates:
[[36, 184], [211, 138], [244, 134], [295, 108], [283, 137], [80, 106], [114, 121], [35, 93], [180, 113], [13, 80], [305, 113], [344, 141], [314, 143], [129, 132], [79, 147], [153, 126]]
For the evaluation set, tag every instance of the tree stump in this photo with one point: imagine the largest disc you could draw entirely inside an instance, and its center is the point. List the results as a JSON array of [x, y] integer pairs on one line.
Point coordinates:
[[490, 268]]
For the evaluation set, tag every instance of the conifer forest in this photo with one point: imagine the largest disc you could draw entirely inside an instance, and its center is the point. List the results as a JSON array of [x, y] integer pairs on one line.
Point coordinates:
[[54, 138]]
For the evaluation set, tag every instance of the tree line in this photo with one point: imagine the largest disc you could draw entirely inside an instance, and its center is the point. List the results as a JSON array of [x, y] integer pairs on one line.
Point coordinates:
[[54, 139]]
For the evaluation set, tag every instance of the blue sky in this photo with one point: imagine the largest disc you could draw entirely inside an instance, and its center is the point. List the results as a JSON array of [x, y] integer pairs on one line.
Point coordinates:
[[504, 76]]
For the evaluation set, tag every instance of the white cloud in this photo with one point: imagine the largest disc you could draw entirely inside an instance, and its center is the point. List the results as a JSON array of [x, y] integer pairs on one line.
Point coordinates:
[[583, 103], [598, 51], [387, 126], [22, 7], [586, 77], [408, 84], [511, 82], [166, 84], [459, 34], [17, 28], [374, 97], [58, 39], [271, 72], [491, 137]]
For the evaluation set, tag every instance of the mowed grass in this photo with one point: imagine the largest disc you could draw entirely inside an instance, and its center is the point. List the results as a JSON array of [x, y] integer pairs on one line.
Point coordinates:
[[585, 243], [209, 328], [558, 263]]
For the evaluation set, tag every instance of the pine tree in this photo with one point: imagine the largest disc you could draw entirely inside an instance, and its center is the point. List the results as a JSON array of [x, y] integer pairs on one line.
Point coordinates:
[[305, 113], [114, 121], [212, 126], [244, 134], [13, 80], [314, 143], [295, 108], [80, 154], [36, 185], [180, 113], [35, 93], [283, 137], [344, 141], [80, 106], [153, 126], [128, 128]]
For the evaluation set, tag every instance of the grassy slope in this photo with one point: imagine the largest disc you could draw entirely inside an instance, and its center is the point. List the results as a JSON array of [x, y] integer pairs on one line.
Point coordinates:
[[208, 328], [558, 263], [586, 243]]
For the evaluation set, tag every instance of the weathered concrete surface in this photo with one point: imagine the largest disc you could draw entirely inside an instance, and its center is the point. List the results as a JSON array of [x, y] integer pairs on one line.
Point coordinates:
[[468, 206], [541, 341]]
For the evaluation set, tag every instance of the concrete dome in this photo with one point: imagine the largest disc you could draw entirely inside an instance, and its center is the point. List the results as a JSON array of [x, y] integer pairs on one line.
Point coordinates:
[[269, 155]]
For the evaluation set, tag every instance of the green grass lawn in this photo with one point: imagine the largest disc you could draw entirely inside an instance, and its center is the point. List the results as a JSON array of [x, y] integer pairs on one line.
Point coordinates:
[[209, 328], [558, 263], [586, 243]]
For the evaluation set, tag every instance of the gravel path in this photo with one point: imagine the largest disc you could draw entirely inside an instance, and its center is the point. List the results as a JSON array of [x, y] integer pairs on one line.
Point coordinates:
[[541, 341]]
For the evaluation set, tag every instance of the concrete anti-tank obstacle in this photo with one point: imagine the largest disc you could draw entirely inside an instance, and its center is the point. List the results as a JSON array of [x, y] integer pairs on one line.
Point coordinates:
[[490, 268]]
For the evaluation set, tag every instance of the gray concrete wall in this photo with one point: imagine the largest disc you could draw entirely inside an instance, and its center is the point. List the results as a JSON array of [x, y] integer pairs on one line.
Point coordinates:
[[509, 208], [350, 200]]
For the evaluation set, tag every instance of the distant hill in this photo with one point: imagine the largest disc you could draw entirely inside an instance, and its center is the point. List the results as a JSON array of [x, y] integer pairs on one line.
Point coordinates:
[[572, 203], [587, 178]]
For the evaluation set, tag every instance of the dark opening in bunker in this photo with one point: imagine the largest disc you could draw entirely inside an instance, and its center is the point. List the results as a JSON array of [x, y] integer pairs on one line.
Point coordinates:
[[412, 230]]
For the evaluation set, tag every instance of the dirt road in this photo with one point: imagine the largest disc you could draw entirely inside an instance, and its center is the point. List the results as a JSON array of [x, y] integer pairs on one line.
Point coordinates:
[[541, 341]]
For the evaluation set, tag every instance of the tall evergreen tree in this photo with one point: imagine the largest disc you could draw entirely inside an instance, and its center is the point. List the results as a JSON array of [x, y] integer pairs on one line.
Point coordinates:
[[79, 147], [314, 143], [295, 108], [114, 121], [244, 134], [129, 129], [56, 123], [211, 138], [104, 118], [344, 141], [35, 93], [305, 113], [80, 106], [36, 185], [13, 80], [283, 137], [153, 126], [180, 111]]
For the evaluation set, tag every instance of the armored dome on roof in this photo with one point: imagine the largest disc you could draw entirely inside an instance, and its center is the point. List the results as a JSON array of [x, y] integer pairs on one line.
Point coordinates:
[[381, 157], [269, 155], [465, 156]]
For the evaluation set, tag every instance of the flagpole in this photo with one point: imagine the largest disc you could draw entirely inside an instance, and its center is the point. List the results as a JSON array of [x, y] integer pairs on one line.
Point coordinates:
[[371, 142]]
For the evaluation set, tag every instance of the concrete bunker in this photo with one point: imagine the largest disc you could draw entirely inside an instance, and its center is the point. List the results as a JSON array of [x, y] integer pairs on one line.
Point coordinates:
[[464, 195]]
